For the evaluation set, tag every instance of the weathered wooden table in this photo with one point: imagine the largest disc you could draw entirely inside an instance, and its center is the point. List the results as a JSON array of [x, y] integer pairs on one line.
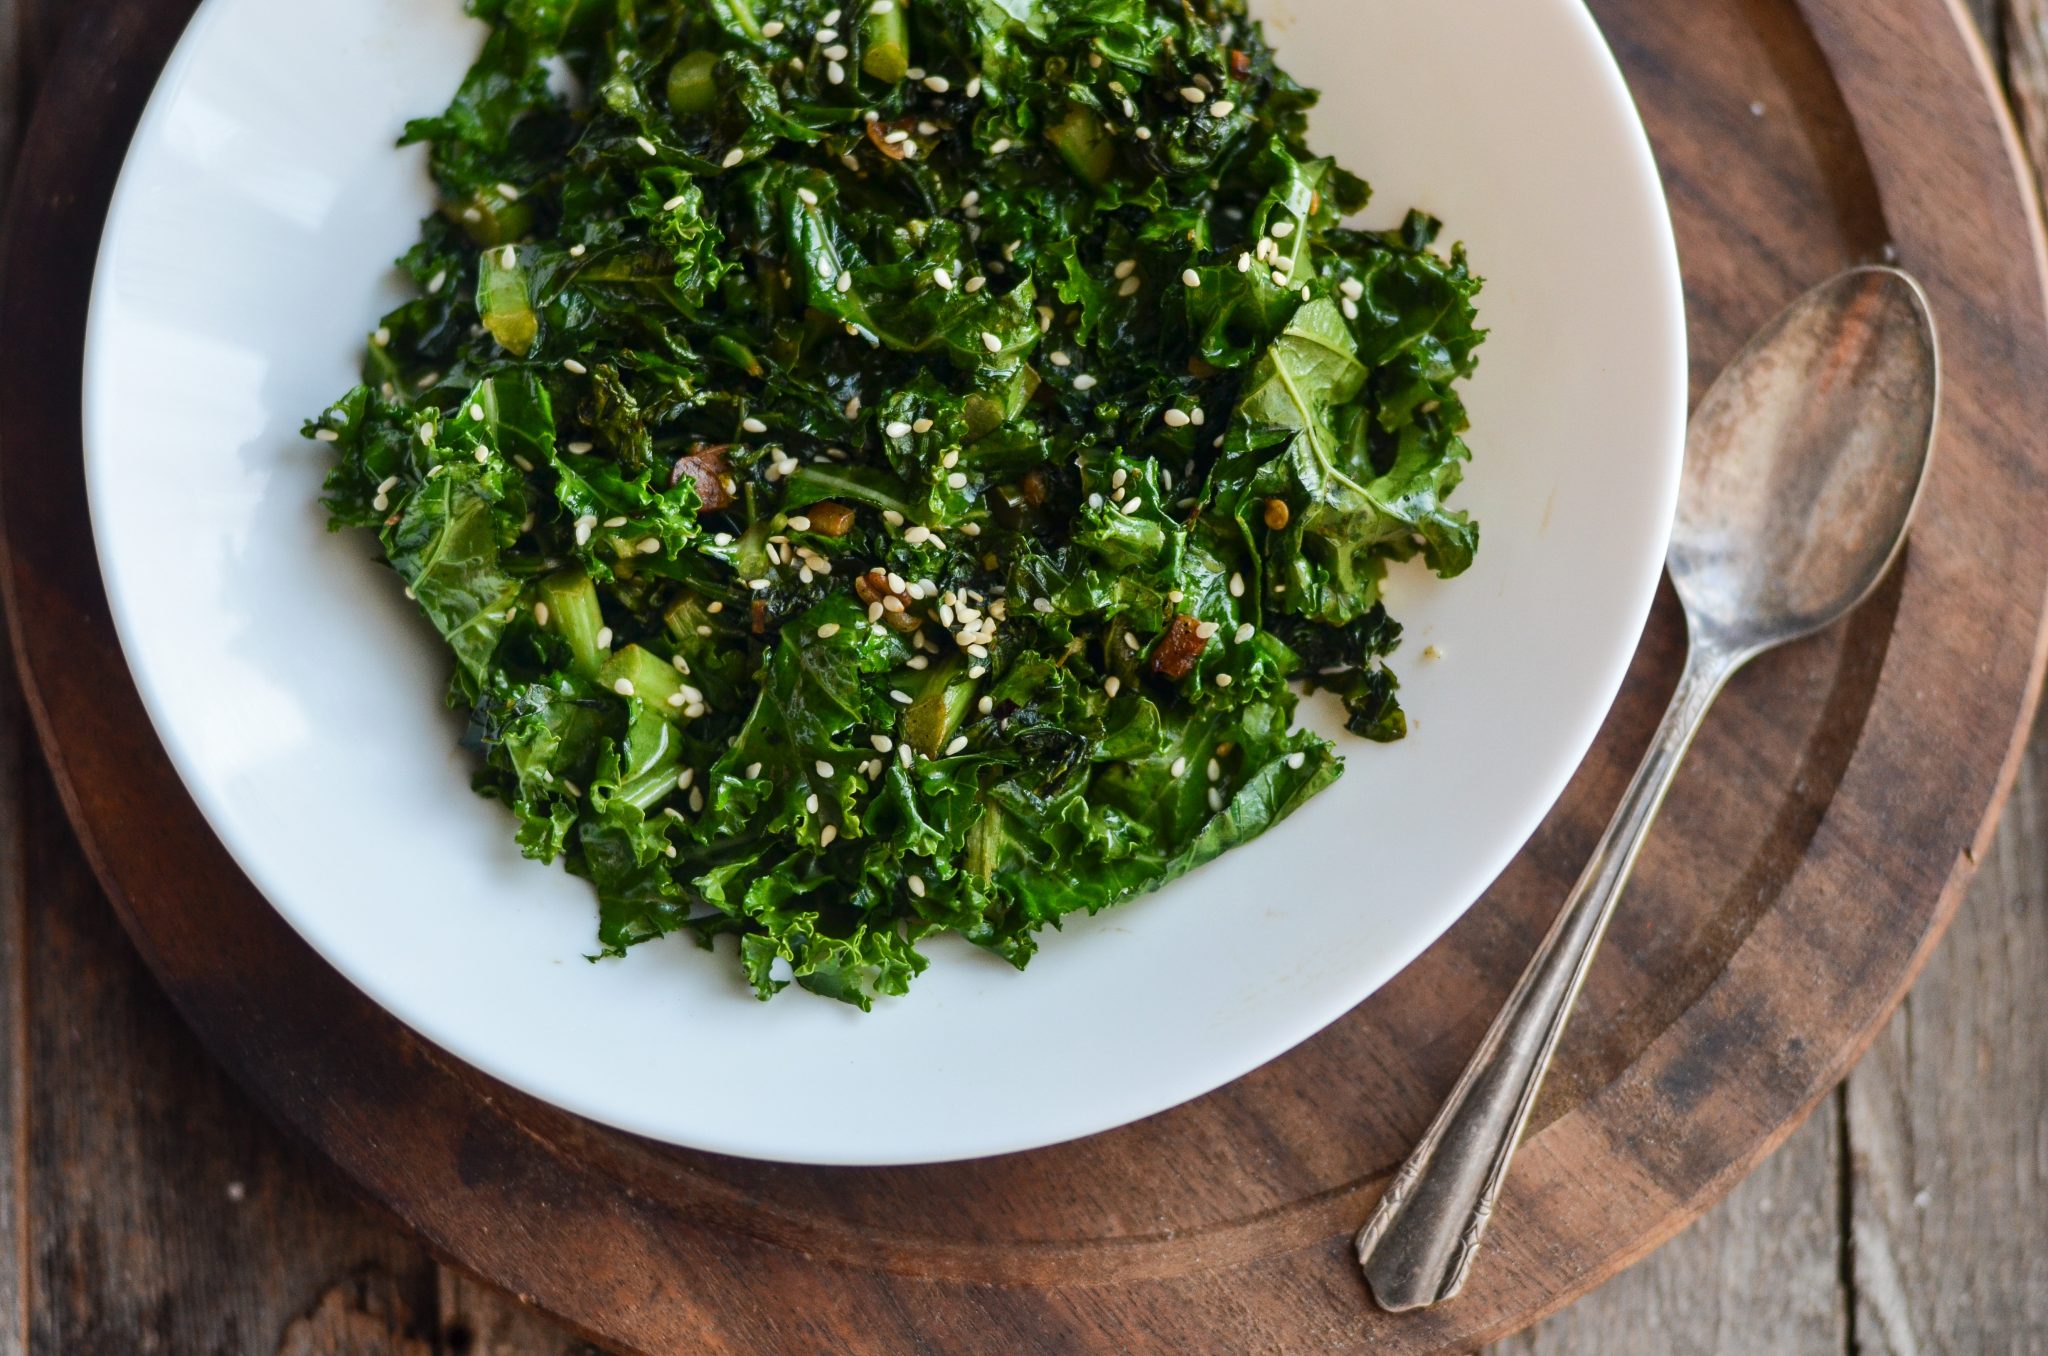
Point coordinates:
[[146, 1206]]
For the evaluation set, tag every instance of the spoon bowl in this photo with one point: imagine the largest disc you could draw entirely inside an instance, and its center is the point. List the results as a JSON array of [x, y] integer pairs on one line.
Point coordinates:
[[1804, 462]]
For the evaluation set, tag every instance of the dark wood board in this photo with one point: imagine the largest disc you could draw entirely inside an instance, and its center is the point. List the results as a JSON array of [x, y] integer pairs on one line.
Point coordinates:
[[1811, 855]]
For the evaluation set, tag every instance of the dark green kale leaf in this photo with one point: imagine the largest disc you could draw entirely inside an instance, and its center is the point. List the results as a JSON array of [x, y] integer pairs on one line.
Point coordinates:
[[884, 470]]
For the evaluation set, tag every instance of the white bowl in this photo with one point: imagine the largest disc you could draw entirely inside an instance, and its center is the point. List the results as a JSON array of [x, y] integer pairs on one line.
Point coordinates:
[[248, 252]]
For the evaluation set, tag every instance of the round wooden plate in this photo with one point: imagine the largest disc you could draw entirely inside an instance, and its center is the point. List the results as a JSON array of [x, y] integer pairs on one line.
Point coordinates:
[[1813, 850]]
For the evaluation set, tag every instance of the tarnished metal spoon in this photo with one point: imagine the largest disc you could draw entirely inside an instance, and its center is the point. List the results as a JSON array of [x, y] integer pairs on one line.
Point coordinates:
[[1802, 468]]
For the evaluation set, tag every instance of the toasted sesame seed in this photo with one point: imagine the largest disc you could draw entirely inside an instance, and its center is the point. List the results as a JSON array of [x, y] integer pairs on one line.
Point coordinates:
[[1084, 382], [1192, 94], [575, 368], [1112, 685], [1129, 287], [974, 284], [925, 426], [696, 800], [1176, 418], [753, 771], [772, 29], [937, 84], [1223, 680], [1125, 269], [624, 687]]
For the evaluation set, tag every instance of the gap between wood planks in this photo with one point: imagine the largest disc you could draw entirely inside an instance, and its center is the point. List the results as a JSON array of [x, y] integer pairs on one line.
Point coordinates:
[[1906, 1217]]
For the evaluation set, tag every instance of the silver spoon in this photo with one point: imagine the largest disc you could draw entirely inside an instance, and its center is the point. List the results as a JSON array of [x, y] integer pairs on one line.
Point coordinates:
[[1802, 467]]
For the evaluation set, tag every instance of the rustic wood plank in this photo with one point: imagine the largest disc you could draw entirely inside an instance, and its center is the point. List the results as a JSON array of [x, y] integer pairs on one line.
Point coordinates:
[[1948, 1118]]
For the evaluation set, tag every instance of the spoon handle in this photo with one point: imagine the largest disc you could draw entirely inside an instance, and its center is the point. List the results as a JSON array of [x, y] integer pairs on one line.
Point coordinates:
[[1418, 1246]]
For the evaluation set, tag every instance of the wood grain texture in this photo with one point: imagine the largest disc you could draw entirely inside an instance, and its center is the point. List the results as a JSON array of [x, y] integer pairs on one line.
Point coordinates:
[[1799, 727]]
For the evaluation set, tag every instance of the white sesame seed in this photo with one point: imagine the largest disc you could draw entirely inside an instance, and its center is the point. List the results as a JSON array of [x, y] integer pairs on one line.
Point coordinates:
[[1191, 278], [1192, 94], [540, 614], [999, 146], [1204, 630], [326, 435], [917, 534], [1137, 502], [824, 768], [1304, 292], [753, 771], [897, 429], [581, 449], [1222, 108], [1237, 586], [1349, 307], [1041, 604], [678, 700], [925, 426], [759, 585], [644, 144], [649, 545], [772, 29], [881, 742], [959, 743], [943, 279], [753, 425], [958, 480], [1084, 382], [1281, 229], [697, 800], [1144, 134], [673, 203], [895, 138], [899, 696], [828, 35], [916, 884], [574, 368], [835, 53], [683, 782], [937, 84], [1215, 770], [1245, 632], [845, 283], [991, 343], [831, 832], [1216, 798], [437, 282], [382, 338], [1295, 760], [615, 522], [604, 637], [1279, 278], [624, 687], [835, 73], [799, 523], [578, 251], [1176, 418], [1223, 680], [832, 16], [1352, 288], [806, 197], [1112, 685], [1130, 286], [1179, 768], [881, 7]]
